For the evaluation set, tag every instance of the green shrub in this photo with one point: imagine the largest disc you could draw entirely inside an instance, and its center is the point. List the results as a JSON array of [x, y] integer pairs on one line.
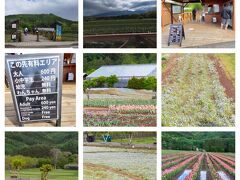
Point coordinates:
[[149, 83], [42, 161], [111, 80], [71, 167]]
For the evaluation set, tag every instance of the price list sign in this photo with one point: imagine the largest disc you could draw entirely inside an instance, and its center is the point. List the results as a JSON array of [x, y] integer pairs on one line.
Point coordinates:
[[176, 34], [36, 85]]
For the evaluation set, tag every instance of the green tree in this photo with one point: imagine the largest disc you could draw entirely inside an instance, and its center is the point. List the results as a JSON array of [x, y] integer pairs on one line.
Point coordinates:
[[45, 169], [17, 163], [111, 80], [128, 59], [55, 155], [100, 81], [87, 85]]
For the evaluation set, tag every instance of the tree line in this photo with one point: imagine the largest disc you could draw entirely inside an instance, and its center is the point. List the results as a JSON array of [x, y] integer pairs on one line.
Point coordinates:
[[32, 21], [45, 151], [204, 141], [91, 62]]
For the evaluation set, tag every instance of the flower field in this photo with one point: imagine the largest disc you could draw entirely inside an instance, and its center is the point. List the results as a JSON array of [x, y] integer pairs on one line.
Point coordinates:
[[118, 163], [119, 112], [193, 93], [198, 165]]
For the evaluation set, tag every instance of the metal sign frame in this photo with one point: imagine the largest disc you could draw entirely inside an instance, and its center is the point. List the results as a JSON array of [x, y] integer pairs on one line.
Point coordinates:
[[182, 34], [9, 58]]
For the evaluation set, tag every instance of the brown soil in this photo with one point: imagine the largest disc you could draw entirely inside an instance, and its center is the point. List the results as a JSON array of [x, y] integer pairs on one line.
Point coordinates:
[[113, 170], [170, 64], [224, 80], [95, 108], [134, 120]]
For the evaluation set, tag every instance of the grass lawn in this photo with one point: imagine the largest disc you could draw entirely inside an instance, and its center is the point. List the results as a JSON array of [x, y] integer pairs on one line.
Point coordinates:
[[143, 140], [8, 38], [228, 62], [59, 174], [165, 152], [69, 37]]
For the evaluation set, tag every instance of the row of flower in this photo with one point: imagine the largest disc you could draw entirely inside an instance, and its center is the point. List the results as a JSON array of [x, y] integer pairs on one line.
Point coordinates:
[[175, 161], [193, 95], [196, 168], [212, 169], [226, 159], [150, 109], [224, 165], [169, 173], [220, 166], [108, 118]]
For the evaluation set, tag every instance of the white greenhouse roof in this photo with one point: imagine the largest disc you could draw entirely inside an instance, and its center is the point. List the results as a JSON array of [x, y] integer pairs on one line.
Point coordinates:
[[126, 70]]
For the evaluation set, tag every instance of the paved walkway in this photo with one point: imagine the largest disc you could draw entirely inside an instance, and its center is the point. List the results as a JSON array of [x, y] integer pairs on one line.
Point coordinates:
[[50, 44], [33, 38], [202, 35], [30, 41]]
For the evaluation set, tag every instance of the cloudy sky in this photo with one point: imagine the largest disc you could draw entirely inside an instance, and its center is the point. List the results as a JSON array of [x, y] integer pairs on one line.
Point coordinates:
[[67, 9], [93, 7]]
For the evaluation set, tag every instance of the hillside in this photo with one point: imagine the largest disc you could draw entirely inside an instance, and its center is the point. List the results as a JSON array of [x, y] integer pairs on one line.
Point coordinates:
[[91, 62], [123, 15], [211, 141], [40, 20], [38, 144]]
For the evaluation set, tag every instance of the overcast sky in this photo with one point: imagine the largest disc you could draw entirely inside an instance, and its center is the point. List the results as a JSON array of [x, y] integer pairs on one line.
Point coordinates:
[[93, 7], [67, 9]]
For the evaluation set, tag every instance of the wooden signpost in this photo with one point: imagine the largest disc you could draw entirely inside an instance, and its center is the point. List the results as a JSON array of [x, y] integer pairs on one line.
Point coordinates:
[[36, 86], [176, 34]]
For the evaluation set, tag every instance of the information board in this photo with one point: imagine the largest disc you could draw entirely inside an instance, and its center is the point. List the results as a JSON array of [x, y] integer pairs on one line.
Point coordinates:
[[58, 32], [36, 85], [176, 34]]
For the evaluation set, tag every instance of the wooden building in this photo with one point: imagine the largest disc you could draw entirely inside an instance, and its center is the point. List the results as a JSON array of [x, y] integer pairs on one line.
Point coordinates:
[[171, 9]]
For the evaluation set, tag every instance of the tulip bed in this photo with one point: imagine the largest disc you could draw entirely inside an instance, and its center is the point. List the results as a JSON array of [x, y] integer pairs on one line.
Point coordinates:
[[120, 113], [192, 95], [212, 163]]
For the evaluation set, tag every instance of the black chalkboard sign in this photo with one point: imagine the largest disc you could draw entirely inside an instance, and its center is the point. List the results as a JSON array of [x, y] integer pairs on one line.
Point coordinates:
[[36, 85], [176, 34]]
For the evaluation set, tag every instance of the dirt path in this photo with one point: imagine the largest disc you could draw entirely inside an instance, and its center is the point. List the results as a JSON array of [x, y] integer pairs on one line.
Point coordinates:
[[33, 38], [224, 80], [110, 169], [170, 64]]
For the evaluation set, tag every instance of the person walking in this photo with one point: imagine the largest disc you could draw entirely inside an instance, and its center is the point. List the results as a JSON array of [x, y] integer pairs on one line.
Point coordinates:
[[25, 31], [226, 16]]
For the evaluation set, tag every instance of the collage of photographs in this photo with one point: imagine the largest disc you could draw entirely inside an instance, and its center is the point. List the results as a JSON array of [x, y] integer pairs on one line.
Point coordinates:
[[119, 90]]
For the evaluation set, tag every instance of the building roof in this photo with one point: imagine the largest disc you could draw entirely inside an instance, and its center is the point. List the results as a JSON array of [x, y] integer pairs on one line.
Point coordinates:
[[195, 1], [129, 70]]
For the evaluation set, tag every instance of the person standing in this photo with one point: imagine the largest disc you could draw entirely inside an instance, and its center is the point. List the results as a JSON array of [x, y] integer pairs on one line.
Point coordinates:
[[194, 11], [226, 16], [203, 15]]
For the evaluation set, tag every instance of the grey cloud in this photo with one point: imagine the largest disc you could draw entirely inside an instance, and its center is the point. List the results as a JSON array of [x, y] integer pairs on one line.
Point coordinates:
[[92, 7]]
